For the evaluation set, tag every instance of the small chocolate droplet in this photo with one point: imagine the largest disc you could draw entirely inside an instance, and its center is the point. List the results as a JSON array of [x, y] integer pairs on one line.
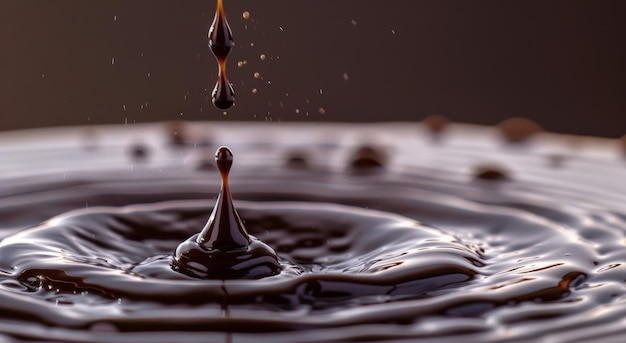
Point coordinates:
[[491, 173], [368, 157], [221, 42], [518, 129], [223, 96]]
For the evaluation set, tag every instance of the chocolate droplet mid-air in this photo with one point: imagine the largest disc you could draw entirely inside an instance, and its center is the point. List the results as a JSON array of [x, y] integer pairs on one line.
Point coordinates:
[[221, 42]]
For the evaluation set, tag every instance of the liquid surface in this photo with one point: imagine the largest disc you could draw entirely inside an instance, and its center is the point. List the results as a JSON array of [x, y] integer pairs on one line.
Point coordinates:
[[367, 251]]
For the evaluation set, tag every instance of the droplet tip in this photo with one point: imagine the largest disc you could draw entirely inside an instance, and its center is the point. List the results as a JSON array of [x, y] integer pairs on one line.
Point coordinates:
[[223, 159]]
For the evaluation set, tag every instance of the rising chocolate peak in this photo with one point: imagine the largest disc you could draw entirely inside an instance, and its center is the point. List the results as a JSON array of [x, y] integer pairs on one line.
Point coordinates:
[[223, 249], [224, 230]]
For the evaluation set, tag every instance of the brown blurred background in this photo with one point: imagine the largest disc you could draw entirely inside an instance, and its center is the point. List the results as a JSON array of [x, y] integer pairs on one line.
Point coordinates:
[[77, 62]]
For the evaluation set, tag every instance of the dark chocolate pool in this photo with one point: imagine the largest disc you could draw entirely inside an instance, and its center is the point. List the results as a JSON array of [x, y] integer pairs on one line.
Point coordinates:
[[399, 240]]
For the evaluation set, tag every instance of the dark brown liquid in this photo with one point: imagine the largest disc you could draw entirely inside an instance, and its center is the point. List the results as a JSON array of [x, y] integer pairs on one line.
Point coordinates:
[[224, 250], [528, 259], [221, 42]]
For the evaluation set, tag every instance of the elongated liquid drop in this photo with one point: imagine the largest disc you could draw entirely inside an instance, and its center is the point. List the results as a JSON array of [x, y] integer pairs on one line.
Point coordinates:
[[221, 42], [223, 249], [224, 231]]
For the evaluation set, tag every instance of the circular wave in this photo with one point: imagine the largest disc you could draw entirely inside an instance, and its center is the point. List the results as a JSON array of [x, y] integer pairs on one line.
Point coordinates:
[[425, 244], [394, 255]]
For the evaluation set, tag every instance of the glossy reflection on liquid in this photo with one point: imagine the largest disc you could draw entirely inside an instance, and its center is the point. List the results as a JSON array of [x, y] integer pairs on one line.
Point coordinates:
[[368, 255], [516, 249], [224, 249]]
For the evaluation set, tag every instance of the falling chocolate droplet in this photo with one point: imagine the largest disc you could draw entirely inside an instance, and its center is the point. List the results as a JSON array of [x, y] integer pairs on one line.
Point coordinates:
[[224, 249], [221, 42], [223, 96]]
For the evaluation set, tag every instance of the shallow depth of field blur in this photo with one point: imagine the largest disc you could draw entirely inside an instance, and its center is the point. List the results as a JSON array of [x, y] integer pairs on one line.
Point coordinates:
[[73, 62]]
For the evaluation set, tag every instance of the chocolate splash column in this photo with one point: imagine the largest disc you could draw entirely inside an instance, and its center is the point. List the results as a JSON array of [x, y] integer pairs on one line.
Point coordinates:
[[224, 249]]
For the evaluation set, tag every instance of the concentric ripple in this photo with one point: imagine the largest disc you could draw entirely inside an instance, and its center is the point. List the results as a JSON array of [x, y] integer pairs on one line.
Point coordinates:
[[332, 254], [470, 265], [390, 254]]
